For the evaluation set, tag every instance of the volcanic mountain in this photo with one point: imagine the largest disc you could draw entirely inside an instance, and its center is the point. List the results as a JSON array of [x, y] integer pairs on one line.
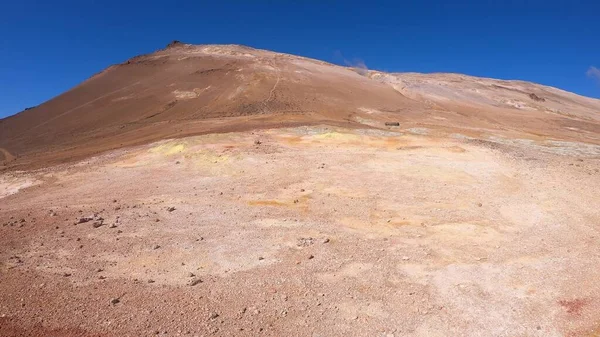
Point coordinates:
[[230, 191], [196, 89]]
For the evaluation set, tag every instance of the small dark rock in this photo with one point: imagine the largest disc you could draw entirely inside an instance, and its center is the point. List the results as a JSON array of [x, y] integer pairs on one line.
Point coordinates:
[[194, 281], [536, 97], [85, 219]]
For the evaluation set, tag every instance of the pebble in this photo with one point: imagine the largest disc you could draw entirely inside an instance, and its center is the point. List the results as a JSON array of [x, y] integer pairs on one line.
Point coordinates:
[[194, 281], [305, 242], [85, 219]]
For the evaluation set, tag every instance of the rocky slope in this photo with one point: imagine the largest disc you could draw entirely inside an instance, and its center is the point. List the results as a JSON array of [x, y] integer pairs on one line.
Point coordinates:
[[194, 89]]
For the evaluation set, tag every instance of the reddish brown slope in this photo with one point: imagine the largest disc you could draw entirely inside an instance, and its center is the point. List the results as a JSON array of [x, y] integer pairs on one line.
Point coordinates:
[[187, 89]]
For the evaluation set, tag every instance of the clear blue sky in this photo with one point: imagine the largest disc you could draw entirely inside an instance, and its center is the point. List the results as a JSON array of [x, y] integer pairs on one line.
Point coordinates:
[[47, 47]]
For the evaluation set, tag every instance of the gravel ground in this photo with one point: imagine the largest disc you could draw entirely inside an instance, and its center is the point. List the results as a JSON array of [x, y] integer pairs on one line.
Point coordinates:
[[311, 231]]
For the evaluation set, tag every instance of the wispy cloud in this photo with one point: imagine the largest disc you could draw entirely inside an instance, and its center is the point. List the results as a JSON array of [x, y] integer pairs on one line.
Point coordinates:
[[594, 73], [356, 63]]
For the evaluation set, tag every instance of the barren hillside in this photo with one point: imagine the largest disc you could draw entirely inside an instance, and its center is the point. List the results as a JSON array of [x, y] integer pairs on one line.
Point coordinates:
[[188, 89]]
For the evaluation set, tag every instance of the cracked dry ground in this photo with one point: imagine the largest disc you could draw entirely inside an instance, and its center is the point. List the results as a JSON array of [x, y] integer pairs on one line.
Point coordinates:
[[310, 231]]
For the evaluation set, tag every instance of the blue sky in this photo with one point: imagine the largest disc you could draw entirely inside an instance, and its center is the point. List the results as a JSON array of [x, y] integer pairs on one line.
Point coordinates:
[[47, 47]]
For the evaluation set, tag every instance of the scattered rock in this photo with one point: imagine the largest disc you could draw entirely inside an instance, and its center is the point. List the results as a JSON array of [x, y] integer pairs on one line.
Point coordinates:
[[97, 224], [150, 281], [310, 257], [479, 204], [67, 274], [85, 219], [213, 315], [257, 142], [112, 226], [155, 247], [392, 124], [194, 281], [170, 209], [405, 258], [326, 240], [190, 274], [305, 242], [261, 258], [114, 301]]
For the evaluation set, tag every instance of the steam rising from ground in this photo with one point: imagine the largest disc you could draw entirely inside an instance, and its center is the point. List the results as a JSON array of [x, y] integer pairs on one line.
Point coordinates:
[[358, 64]]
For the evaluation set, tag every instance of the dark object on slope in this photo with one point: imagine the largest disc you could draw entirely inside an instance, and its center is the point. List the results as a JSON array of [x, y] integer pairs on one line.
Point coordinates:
[[392, 124], [536, 98]]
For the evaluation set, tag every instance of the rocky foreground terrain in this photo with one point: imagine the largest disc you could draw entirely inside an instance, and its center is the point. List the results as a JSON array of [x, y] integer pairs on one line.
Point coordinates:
[[229, 191]]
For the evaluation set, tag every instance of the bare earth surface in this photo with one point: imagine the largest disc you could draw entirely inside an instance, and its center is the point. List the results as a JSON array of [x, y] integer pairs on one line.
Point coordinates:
[[476, 216]]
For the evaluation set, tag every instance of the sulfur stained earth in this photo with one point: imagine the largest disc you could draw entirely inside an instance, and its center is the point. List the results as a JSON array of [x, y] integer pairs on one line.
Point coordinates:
[[307, 231]]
